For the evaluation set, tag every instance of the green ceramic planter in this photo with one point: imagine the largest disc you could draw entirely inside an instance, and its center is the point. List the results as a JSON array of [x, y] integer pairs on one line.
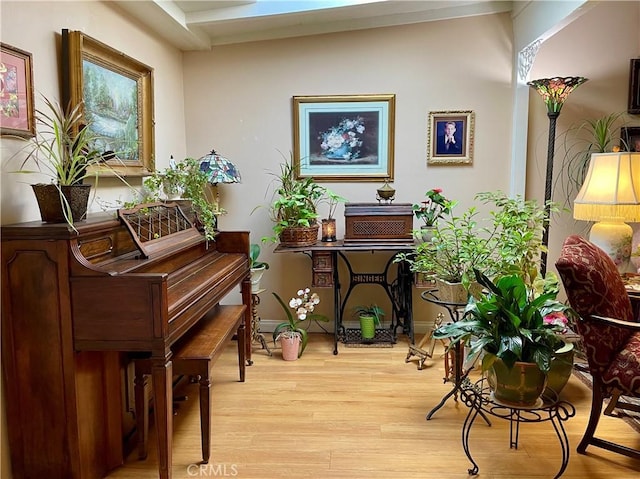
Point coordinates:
[[560, 372], [367, 327], [520, 386]]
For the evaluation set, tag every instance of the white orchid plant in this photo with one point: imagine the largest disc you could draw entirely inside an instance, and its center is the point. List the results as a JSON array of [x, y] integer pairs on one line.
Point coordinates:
[[303, 305]]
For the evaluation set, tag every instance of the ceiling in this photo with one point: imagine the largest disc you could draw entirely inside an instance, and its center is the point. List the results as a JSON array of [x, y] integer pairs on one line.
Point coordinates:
[[201, 24]]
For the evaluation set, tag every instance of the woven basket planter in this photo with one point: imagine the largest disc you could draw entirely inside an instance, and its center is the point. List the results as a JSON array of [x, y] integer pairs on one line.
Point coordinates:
[[299, 236]]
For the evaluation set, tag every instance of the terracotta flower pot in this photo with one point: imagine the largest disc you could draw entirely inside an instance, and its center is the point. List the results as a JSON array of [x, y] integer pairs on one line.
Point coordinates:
[[290, 347]]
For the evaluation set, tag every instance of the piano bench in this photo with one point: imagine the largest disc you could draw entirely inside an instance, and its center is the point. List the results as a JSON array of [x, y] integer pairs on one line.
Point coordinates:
[[194, 355]]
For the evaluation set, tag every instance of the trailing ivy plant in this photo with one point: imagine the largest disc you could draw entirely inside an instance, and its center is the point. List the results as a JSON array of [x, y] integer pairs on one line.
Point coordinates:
[[186, 178]]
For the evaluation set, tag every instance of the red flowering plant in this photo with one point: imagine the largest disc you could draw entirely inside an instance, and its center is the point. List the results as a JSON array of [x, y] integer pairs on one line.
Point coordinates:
[[433, 208]]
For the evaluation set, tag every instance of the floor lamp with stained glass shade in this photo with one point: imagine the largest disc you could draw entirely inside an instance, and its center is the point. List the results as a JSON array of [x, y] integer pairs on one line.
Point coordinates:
[[610, 195], [219, 170], [554, 92]]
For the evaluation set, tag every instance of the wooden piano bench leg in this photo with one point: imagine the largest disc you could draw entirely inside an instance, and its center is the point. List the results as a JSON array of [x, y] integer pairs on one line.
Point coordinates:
[[242, 351], [205, 416], [199, 352]]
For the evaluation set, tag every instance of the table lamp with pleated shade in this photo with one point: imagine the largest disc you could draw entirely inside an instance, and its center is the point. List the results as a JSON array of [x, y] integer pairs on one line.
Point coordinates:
[[610, 196]]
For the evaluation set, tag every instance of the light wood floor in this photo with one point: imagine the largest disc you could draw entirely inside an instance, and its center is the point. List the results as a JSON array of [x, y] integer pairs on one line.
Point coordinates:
[[361, 414]]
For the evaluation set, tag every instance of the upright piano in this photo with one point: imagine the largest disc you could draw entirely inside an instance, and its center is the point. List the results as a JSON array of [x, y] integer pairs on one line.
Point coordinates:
[[76, 302]]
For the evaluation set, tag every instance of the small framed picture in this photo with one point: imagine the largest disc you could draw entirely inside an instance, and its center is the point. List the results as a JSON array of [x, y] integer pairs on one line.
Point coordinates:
[[17, 115], [450, 137], [630, 138], [634, 87], [344, 138]]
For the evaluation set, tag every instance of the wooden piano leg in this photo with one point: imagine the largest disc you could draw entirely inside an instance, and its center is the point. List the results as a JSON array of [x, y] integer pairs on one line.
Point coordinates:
[[247, 301], [162, 371]]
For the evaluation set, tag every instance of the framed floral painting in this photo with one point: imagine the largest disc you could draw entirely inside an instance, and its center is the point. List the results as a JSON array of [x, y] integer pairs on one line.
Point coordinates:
[[450, 137], [17, 115], [344, 137]]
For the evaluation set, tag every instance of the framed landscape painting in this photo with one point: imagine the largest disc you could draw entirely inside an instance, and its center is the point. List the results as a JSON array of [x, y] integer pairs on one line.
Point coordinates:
[[16, 92], [117, 96], [344, 137]]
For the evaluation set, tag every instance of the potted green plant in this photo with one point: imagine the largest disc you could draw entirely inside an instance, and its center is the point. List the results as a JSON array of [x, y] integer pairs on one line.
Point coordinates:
[[430, 211], [293, 337], [66, 150], [370, 316], [507, 324], [508, 241], [186, 180], [294, 208], [579, 141], [257, 267]]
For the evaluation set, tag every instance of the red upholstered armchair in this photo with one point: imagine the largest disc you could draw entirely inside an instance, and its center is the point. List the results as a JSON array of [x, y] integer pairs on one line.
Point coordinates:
[[608, 330]]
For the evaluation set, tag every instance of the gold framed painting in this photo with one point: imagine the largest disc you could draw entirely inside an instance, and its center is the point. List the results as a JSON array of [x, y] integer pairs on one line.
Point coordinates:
[[344, 137], [117, 95], [17, 117], [450, 137]]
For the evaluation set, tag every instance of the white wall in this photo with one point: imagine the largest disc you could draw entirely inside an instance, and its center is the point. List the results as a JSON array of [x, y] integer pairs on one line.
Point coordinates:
[[239, 101], [36, 27], [597, 46]]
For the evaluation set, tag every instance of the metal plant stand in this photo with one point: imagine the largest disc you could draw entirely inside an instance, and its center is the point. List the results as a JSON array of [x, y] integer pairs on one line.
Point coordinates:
[[256, 335], [480, 400]]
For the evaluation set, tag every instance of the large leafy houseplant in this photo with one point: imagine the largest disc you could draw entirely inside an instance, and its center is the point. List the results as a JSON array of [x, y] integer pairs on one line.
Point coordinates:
[[303, 305], [507, 322], [508, 241]]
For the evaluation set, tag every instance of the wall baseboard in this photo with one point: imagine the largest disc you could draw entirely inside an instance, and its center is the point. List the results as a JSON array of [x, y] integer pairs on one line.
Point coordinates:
[[268, 325]]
